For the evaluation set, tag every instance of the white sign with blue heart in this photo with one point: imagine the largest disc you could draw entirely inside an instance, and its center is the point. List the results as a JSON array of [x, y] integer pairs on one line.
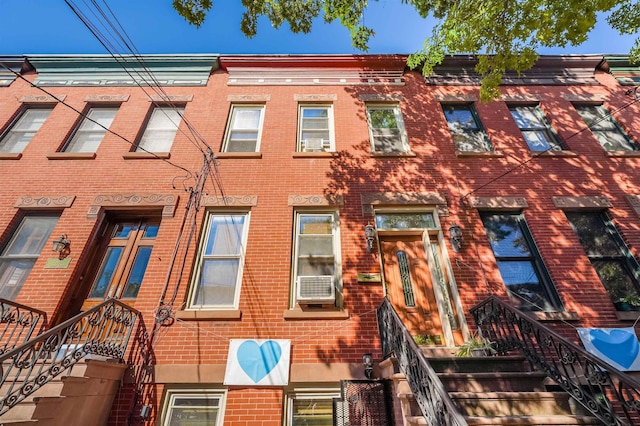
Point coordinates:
[[617, 346], [258, 362]]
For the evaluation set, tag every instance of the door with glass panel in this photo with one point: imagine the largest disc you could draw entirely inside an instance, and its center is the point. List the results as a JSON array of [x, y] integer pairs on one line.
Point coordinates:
[[122, 261], [409, 285]]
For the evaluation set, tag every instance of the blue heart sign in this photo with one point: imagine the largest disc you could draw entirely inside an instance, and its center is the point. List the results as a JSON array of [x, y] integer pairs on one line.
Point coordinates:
[[256, 362], [617, 346]]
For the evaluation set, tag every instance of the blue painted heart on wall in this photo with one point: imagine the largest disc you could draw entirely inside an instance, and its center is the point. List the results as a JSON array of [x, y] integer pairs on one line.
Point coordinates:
[[620, 346], [257, 361]]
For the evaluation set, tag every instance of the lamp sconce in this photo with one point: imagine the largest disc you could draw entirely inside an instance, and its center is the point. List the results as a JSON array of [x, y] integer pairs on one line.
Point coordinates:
[[367, 362], [62, 246], [370, 236], [455, 236]]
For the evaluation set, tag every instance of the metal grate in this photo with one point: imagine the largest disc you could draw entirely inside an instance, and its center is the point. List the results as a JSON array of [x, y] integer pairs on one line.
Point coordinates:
[[316, 287], [363, 403]]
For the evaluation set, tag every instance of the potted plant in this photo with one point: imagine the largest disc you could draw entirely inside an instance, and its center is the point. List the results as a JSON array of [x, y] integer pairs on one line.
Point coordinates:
[[628, 303], [476, 346]]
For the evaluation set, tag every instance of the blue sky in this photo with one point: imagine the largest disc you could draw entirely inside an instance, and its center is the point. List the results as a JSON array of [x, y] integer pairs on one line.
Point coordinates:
[[49, 26]]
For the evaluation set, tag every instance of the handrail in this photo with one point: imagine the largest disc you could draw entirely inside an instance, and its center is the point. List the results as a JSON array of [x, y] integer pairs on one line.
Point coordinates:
[[429, 392], [17, 324], [102, 330], [609, 394]]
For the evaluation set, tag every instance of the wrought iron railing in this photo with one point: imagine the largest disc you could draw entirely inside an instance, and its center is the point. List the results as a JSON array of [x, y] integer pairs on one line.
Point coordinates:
[[18, 323], [610, 395], [102, 330], [429, 392]]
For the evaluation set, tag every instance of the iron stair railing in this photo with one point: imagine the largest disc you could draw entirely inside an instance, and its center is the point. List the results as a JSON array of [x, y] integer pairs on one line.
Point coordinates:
[[429, 392], [18, 323], [609, 394], [102, 330]]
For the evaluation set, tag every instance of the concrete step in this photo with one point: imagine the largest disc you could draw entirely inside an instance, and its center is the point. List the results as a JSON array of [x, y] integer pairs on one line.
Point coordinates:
[[480, 364], [494, 381], [103, 369], [511, 403], [38, 408], [562, 420]]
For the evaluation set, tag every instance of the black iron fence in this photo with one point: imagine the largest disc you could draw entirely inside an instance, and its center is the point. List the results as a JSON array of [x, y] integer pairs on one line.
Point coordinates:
[[429, 392], [610, 395], [18, 323]]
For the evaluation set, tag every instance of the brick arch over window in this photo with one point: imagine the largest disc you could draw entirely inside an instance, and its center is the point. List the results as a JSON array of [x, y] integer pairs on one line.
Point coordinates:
[[168, 202]]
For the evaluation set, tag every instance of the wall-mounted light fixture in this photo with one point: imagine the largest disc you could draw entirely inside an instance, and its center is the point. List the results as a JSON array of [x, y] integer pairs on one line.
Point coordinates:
[[62, 246], [455, 236], [367, 362], [370, 236]]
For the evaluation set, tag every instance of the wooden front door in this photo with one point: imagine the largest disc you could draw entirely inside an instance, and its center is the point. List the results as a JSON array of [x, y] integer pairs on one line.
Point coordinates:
[[409, 285], [122, 260]]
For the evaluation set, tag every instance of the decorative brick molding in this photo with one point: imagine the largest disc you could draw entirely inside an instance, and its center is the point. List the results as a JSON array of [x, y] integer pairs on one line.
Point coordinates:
[[454, 98], [170, 98], [249, 98], [168, 202], [526, 98], [634, 202], [498, 203], [371, 199], [106, 98], [45, 202], [41, 99], [375, 97], [585, 98], [315, 98], [229, 201], [315, 200], [583, 202]]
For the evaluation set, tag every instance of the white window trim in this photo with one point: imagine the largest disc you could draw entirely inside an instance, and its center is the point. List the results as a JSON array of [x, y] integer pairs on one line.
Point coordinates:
[[198, 266], [13, 128], [332, 137], [227, 134], [337, 255], [329, 394], [398, 115], [86, 118], [161, 109], [171, 394]]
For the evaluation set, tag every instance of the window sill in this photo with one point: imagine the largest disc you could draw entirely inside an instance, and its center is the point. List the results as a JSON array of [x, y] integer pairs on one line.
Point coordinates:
[[146, 155], [10, 155], [623, 154], [554, 316], [393, 154], [238, 155], [315, 313], [475, 154], [318, 154], [71, 155], [628, 315], [553, 154], [207, 315]]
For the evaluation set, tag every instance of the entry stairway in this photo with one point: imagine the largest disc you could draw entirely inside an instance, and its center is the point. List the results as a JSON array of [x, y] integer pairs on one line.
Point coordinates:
[[489, 391], [537, 378], [68, 374]]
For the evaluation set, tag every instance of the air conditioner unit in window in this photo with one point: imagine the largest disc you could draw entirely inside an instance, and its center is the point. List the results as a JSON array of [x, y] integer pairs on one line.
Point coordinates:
[[316, 290], [313, 144]]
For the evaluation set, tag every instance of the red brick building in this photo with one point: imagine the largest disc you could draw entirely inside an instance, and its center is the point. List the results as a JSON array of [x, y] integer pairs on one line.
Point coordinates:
[[228, 199]]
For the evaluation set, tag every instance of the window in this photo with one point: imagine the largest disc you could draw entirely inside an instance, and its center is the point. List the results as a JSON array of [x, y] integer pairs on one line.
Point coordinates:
[[91, 130], [161, 129], [22, 251], [310, 408], [386, 128], [316, 263], [609, 255], [23, 129], [605, 128], [535, 128], [194, 408], [219, 267], [244, 128], [519, 262], [315, 128], [466, 129]]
